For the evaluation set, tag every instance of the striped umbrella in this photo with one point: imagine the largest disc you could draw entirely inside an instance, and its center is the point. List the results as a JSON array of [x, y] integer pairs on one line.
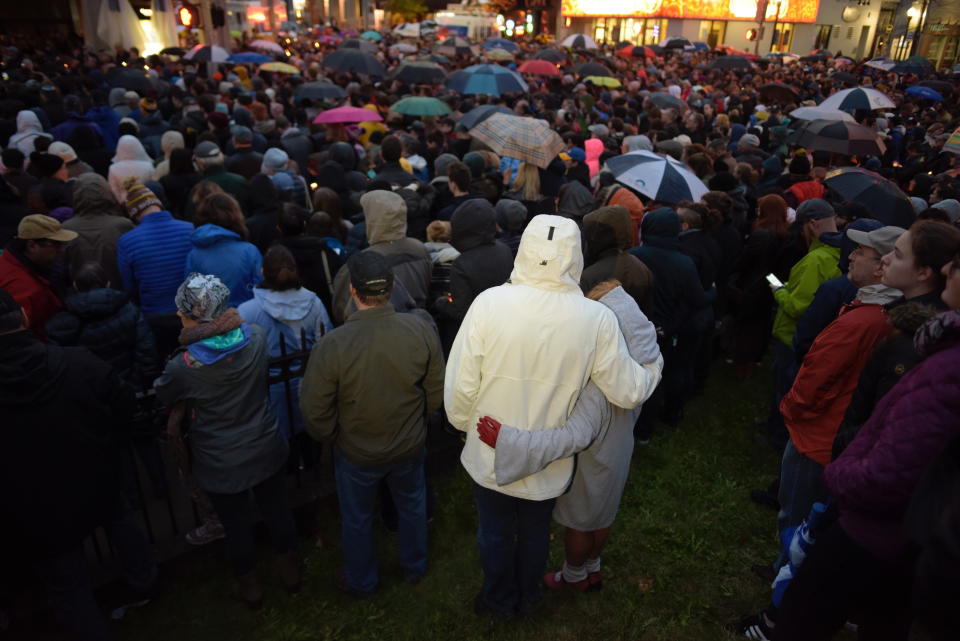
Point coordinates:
[[579, 41], [477, 115], [354, 60], [953, 142], [487, 79], [420, 106], [858, 98], [838, 137], [539, 68], [207, 53], [526, 139], [661, 178], [456, 46]]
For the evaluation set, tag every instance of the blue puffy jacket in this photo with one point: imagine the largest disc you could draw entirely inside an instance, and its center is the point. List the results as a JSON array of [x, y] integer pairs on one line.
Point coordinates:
[[225, 254]]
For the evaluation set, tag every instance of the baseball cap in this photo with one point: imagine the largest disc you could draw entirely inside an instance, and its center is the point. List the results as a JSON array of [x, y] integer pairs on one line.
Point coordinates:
[[370, 273], [574, 153], [881, 239], [206, 149], [814, 209], [40, 227]]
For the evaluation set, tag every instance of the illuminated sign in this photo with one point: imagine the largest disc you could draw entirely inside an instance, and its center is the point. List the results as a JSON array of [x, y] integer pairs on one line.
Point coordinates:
[[790, 10], [258, 13], [187, 15]]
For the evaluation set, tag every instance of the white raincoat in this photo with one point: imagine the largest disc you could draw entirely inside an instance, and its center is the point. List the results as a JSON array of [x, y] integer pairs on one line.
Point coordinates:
[[526, 349], [28, 129], [131, 159]]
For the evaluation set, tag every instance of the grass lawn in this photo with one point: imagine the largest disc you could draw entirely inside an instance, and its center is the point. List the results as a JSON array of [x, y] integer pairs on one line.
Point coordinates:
[[676, 566]]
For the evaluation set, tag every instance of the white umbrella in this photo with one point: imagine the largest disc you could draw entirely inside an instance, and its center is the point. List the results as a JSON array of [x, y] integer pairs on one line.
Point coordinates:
[[819, 113], [858, 98], [661, 178], [579, 41], [207, 53], [883, 64], [266, 45], [404, 47]]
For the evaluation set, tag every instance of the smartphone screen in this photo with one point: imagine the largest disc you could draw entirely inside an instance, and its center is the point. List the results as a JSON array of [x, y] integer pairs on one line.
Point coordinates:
[[773, 280]]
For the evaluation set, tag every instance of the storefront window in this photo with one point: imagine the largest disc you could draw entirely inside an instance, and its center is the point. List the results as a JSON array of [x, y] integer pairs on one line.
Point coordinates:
[[782, 37], [713, 32], [823, 37]]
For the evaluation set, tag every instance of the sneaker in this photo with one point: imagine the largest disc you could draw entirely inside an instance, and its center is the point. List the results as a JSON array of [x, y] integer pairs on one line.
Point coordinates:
[[753, 627], [207, 532], [555, 581]]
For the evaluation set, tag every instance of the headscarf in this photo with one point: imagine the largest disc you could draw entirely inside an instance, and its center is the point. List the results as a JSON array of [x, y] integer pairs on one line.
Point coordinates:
[[202, 297], [130, 148]]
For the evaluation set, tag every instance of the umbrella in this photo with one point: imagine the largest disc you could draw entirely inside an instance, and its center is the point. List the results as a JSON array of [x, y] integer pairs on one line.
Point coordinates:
[[172, 51], [839, 137], [778, 92], [207, 53], [266, 45], [925, 92], [359, 43], [354, 60], [579, 41], [604, 81], [131, 79], [819, 113], [841, 61], [845, 77], [590, 69], [826, 53], [882, 197], [371, 35], [249, 58], [953, 143], [539, 68], [882, 63], [913, 64], [500, 55], [783, 55], [796, 542], [731, 62], [419, 73], [420, 106], [526, 139], [666, 101], [488, 79], [677, 43], [552, 55], [501, 43], [456, 46], [321, 90], [941, 86], [700, 46], [346, 114], [404, 47], [661, 178], [279, 67], [858, 98], [434, 57], [478, 114]]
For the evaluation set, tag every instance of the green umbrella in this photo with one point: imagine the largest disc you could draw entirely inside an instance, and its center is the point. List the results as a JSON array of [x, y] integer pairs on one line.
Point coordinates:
[[420, 106], [371, 35]]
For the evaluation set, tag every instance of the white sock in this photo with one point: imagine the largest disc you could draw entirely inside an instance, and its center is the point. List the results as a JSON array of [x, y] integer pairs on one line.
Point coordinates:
[[573, 573], [592, 565]]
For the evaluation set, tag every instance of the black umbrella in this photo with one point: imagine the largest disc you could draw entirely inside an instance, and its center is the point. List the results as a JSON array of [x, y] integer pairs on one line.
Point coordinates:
[[907, 66], [880, 196], [321, 90], [355, 61], [838, 137], [591, 69], [814, 57], [172, 51], [778, 92], [553, 55], [848, 78], [677, 43], [478, 114], [420, 73], [940, 86], [731, 62], [131, 79], [665, 100], [356, 43]]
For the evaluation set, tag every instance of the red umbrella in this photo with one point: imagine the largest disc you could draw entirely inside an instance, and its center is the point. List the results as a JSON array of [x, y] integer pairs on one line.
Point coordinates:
[[632, 51], [540, 68], [347, 114]]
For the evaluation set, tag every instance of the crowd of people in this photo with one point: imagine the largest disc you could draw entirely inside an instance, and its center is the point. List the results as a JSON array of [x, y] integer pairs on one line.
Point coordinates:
[[170, 231]]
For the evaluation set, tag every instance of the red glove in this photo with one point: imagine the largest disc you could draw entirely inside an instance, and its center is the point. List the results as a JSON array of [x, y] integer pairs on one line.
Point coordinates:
[[489, 430]]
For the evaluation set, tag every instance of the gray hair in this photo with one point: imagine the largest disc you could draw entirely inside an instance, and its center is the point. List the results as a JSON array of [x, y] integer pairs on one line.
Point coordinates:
[[202, 297]]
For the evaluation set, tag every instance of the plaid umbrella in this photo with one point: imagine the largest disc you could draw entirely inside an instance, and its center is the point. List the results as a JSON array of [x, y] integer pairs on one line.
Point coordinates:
[[731, 62], [882, 197], [207, 53], [661, 178], [590, 69], [838, 137], [346, 114], [551, 55], [579, 41], [539, 68], [526, 139], [320, 91], [456, 46], [487, 79], [858, 98], [420, 106], [354, 60], [419, 73], [477, 115]]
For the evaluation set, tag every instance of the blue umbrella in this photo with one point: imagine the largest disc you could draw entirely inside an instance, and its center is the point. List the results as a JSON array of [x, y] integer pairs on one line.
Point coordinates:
[[249, 58], [487, 79], [701, 46], [477, 115], [501, 43], [925, 92]]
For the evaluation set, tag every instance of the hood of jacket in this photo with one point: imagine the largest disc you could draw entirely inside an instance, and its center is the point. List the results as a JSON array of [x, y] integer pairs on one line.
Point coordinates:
[[605, 229], [549, 256], [343, 154], [130, 148], [27, 122], [92, 196], [386, 216], [210, 234], [96, 303], [576, 201], [289, 305], [115, 97], [661, 228], [473, 224], [638, 332]]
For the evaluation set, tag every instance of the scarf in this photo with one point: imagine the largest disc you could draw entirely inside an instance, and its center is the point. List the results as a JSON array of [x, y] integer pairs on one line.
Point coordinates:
[[227, 323], [937, 333]]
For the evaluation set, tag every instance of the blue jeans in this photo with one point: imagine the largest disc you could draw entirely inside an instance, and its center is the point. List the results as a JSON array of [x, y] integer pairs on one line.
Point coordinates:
[[357, 492], [514, 540], [801, 485]]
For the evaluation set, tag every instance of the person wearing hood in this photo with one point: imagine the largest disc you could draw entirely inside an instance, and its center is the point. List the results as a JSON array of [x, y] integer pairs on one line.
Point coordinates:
[[117, 100], [75, 166], [84, 142], [606, 235], [103, 115], [244, 160], [483, 262], [263, 211], [74, 119], [500, 369], [99, 223], [53, 190], [19, 181], [679, 300], [575, 201], [220, 247], [152, 126], [386, 225], [441, 181], [282, 308], [511, 219], [169, 141], [28, 130], [179, 181], [235, 444], [130, 161], [296, 143]]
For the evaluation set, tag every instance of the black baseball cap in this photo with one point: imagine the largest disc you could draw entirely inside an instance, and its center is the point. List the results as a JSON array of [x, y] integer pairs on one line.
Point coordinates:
[[370, 273]]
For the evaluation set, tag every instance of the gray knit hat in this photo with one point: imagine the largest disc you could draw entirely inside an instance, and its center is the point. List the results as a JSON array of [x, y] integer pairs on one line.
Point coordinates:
[[202, 297]]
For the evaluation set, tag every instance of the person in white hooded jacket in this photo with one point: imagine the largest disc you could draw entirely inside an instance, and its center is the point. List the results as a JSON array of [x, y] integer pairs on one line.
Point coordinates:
[[523, 354], [130, 160], [28, 130]]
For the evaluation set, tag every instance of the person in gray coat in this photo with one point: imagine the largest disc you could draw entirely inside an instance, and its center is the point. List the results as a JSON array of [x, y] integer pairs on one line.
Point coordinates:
[[603, 435], [220, 373]]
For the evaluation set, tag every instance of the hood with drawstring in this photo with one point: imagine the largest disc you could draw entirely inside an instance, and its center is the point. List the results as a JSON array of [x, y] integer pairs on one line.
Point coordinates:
[[386, 216], [473, 224], [549, 256]]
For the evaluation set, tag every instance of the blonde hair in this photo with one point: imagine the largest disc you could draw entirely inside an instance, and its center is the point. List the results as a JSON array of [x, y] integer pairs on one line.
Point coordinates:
[[603, 288], [528, 181]]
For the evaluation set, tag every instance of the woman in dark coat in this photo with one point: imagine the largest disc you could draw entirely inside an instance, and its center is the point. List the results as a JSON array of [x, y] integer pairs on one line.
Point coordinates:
[[180, 180], [606, 233]]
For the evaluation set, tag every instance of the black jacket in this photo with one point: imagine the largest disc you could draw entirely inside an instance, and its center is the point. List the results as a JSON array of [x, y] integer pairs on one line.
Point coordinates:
[[109, 325], [12, 211], [705, 253], [245, 162], [64, 413], [309, 252]]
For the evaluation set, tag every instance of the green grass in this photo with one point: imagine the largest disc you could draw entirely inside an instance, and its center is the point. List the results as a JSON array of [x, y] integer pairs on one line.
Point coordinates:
[[676, 566]]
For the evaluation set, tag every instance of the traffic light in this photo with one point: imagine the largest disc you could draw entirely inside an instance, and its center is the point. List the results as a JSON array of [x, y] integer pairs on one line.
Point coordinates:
[[188, 15]]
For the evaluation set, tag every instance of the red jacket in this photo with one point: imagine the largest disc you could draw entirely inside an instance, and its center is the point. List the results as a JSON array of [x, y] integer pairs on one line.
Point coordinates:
[[821, 392], [803, 190], [31, 290]]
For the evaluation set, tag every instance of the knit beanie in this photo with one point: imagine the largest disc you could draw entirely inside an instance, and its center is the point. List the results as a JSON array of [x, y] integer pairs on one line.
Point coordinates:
[[139, 197], [800, 165]]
